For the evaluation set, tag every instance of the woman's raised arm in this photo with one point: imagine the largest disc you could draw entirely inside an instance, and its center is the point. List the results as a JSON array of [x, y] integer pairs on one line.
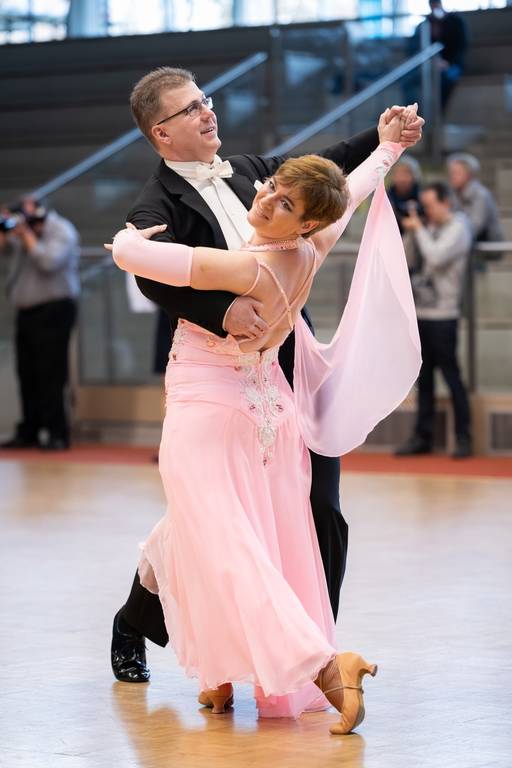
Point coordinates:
[[362, 181]]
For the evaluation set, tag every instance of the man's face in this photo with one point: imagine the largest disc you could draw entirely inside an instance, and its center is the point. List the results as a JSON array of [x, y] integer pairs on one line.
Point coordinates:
[[437, 211], [184, 138], [458, 175]]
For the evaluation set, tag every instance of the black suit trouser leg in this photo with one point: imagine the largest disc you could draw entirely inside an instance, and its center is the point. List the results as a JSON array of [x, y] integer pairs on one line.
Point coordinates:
[[28, 379], [446, 358], [426, 386], [439, 350], [143, 612], [42, 342], [56, 323], [331, 527]]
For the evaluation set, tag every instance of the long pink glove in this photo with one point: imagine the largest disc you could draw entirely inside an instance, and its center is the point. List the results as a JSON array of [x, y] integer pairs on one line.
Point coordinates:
[[361, 182], [169, 263]]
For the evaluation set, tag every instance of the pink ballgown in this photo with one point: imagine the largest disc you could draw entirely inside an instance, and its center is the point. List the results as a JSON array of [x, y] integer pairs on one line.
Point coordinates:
[[235, 559]]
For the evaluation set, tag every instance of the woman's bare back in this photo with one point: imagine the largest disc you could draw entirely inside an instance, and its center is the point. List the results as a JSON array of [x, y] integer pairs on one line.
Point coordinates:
[[282, 285]]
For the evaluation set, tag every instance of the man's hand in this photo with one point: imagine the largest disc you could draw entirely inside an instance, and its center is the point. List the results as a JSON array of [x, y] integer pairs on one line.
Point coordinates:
[[390, 130], [147, 233], [412, 222], [26, 235], [412, 123], [242, 319]]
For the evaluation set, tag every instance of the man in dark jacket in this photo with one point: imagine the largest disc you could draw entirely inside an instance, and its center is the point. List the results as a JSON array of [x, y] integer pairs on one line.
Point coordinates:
[[43, 286], [204, 201], [450, 30]]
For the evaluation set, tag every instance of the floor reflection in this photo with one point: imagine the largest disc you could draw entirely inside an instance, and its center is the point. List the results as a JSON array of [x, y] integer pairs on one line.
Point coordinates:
[[161, 735]]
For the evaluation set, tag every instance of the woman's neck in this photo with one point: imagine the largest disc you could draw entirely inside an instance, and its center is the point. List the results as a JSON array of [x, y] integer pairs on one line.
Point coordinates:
[[257, 239]]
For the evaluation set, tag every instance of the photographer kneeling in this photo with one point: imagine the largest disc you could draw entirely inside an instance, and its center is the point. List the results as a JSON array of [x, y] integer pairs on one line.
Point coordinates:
[[42, 285]]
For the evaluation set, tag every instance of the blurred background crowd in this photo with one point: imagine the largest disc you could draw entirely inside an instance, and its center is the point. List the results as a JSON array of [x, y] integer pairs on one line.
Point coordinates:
[[82, 352]]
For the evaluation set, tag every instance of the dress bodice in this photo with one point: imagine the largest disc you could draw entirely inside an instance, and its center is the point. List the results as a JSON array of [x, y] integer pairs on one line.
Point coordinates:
[[282, 305]]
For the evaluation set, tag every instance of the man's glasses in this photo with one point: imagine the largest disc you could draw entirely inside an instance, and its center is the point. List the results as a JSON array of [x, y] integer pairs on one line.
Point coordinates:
[[193, 110]]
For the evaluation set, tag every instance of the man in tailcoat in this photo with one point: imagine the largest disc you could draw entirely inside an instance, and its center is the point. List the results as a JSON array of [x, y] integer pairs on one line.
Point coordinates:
[[204, 202]]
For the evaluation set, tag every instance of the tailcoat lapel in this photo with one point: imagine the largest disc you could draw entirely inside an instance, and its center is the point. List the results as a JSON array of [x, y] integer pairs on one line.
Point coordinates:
[[177, 185], [242, 187]]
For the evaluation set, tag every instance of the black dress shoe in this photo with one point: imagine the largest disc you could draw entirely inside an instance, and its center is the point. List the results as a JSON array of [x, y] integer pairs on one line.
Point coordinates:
[[463, 448], [128, 655], [414, 447]]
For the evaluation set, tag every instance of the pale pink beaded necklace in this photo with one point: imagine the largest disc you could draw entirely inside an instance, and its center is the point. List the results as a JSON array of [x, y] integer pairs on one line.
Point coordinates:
[[276, 245]]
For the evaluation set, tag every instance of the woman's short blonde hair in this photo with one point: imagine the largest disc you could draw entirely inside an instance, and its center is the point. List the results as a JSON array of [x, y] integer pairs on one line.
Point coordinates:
[[322, 185]]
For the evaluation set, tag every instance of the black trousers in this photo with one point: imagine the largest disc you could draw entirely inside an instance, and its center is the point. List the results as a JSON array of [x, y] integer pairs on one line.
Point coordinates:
[[144, 613], [439, 350], [42, 342]]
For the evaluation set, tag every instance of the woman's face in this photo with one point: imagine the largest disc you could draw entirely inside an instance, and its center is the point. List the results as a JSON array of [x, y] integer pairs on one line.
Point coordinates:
[[277, 212]]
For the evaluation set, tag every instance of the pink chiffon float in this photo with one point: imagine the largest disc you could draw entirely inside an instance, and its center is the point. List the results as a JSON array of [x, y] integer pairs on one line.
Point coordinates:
[[235, 560]]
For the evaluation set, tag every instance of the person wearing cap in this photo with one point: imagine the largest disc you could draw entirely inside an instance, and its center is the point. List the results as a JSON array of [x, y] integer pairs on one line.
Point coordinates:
[[43, 286], [450, 30], [404, 190], [475, 200]]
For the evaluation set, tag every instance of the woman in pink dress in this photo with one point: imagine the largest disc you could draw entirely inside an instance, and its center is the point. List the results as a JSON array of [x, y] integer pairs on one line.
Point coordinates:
[[235, 560]]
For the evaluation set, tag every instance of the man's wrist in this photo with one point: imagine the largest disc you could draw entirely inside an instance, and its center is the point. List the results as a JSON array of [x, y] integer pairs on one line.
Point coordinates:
[[226, 315]]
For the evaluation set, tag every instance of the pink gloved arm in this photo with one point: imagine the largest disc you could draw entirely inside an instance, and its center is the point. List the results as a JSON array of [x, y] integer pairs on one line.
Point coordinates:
[[361, 182], [169, 263]]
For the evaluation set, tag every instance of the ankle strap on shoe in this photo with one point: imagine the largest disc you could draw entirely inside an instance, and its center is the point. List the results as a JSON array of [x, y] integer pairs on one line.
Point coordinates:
[[343, 688]]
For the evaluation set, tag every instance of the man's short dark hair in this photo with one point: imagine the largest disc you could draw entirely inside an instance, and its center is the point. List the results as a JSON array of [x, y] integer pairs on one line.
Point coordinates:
[[441, 188], [145, 97]]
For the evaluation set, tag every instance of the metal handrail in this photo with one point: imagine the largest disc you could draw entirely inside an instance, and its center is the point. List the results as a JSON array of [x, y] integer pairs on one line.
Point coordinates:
[[355, 101], [232, 74]]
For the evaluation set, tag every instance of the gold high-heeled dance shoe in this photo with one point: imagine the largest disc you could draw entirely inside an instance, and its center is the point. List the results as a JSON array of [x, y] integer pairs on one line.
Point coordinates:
[[219, 699], [340, 682]]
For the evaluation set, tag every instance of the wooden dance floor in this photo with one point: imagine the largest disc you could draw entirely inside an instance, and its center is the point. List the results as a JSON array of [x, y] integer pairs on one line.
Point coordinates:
[[427, 596]]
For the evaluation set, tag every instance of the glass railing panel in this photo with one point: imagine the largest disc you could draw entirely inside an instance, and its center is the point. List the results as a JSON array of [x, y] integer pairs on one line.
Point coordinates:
[[115, 344], [493, 332], [312, 60], [373, 57]]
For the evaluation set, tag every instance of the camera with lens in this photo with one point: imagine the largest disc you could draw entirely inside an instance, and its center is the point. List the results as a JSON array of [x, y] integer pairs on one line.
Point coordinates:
[[32, 214], [29, 212], [7, 223]]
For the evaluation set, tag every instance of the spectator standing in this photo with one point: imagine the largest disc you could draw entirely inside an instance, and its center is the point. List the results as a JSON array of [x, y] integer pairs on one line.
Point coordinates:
[[440, 251], [475, 200], [450, 30], [404, 190], [43, 286]]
